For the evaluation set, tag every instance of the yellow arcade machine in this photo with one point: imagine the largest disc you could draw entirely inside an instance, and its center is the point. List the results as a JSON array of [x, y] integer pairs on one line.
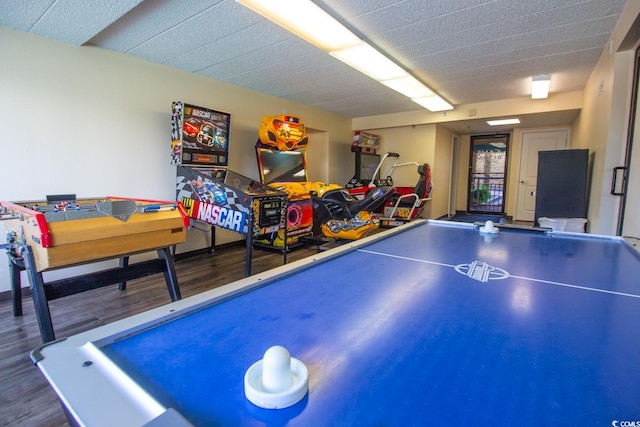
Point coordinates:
[[316, 209]]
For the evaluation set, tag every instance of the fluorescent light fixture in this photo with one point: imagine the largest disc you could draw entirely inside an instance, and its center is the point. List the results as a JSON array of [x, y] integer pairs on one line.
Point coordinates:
[[433, 103], [309, 22], [306, 20], [540, 86], [409, 86], [503, 122], [369, 61]]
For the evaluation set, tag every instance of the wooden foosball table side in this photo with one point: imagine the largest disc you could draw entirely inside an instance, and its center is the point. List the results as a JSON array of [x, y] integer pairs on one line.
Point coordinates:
[[79, 238]]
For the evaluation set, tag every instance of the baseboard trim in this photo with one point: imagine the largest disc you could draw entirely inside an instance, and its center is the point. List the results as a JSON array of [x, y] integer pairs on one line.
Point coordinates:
[[8, 296]]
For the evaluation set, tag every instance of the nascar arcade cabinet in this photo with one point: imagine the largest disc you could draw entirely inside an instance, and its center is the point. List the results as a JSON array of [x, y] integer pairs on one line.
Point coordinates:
[[212, 193]]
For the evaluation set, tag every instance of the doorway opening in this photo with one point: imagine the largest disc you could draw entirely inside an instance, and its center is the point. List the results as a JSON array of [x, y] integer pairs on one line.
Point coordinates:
[[487, 174]]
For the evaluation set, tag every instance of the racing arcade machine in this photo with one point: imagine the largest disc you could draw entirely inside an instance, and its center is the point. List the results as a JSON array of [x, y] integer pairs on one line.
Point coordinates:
[[282, 165], [336, 213], [406, 203], [364, 146]]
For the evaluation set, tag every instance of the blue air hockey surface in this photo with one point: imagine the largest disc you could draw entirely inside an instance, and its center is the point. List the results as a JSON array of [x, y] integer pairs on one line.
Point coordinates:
[[431, 323]]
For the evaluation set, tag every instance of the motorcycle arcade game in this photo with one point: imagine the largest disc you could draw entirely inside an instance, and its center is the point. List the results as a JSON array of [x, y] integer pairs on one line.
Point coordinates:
[[213, 194], [335, 213]]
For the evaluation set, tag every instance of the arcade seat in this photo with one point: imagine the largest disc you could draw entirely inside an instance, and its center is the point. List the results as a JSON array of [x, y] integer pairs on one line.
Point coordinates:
[[339, 204], [408, 204], [339, 215]]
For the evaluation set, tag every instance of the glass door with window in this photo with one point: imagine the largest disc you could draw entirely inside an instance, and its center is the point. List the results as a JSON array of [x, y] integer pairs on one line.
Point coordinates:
[[487, 174]]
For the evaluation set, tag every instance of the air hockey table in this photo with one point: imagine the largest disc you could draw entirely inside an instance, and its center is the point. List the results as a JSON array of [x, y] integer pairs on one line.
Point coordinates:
[[431, 323]]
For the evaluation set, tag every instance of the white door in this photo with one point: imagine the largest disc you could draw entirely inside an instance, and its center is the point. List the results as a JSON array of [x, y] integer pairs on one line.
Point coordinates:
[[532, 143]]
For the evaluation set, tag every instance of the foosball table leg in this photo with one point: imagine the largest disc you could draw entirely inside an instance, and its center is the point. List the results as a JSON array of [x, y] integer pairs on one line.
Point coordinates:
[[39, 297], [170, 275], [16, 265], [124, 262]]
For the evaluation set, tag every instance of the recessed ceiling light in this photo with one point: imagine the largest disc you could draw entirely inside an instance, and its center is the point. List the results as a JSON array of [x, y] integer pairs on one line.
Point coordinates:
[[540, 86], [503, 122]]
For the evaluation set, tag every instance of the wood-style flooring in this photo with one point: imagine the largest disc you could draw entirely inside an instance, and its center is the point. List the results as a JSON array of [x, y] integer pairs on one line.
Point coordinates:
[[26, 399]]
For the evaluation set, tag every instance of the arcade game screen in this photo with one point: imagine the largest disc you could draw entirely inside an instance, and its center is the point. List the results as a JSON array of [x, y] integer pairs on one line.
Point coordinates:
[[281, 166], [368, 165]]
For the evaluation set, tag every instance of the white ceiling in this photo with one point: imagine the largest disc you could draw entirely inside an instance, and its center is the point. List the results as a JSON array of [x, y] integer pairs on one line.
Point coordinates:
[[468, 50]]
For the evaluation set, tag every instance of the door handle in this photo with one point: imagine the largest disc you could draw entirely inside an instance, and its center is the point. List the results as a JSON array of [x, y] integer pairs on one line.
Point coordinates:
[[614, 181]]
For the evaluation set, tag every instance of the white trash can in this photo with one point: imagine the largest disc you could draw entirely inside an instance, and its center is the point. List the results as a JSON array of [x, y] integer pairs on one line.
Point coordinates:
[[573, 225]]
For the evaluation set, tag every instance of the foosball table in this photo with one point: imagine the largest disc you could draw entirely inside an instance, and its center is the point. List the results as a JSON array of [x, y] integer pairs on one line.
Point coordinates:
[[63, 231]]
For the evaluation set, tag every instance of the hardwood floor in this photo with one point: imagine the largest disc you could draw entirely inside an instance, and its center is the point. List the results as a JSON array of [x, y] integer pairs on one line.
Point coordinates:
[[26, 399]]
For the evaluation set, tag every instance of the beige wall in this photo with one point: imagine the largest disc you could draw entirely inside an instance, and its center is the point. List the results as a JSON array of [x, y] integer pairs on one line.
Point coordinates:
[[413, 144], [601, 128], [417, 144], [94, 122], [441, 172], [603, 122], [463, 173], [482, 110], [513, 172], [421, 144]]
